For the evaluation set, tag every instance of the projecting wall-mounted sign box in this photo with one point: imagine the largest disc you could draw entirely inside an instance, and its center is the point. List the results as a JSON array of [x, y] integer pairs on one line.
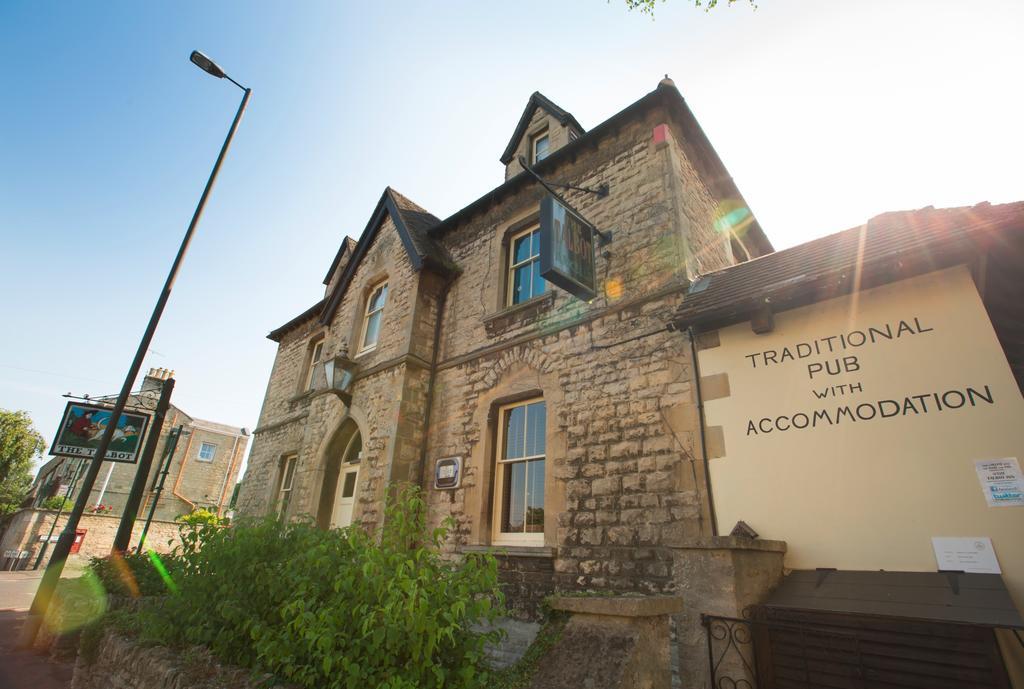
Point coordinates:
[[83, 426], [567, 249], [448, 473]]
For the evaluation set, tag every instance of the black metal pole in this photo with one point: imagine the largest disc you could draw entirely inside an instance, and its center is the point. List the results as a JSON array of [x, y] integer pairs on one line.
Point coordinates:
[[67, 494], [131, 507], [48, 585], [159, 489]]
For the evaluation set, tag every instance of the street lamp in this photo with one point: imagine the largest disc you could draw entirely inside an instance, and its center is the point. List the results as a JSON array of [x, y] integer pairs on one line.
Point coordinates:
[[63, 546]]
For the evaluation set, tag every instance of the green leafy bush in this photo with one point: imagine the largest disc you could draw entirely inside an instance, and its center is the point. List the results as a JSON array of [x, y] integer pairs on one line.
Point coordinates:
[[57, 502], [135, 574], [334, 609], [199, 516]]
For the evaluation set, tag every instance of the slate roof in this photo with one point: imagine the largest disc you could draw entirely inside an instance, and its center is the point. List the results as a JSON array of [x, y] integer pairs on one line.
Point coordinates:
[[420, 230], [348, 245], [666, 95], [277, 333], [890, 246], [537, 100], [218, 427], [417, 221], [411, 222]]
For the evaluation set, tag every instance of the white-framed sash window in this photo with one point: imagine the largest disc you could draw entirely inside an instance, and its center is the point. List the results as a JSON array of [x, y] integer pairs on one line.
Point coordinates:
[[284, 492], [372, 317], [519, 474], [523, 277]]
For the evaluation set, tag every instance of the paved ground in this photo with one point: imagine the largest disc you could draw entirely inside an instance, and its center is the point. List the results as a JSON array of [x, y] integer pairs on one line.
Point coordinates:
[[24, 669]]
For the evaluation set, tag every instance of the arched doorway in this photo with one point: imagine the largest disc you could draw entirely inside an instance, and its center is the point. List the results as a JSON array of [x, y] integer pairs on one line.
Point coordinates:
[[341, 477]]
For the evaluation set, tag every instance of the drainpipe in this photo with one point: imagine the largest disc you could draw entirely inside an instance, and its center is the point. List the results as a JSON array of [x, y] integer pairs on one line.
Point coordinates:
[[442, 300], [227, 477], [106, 480], [181, 474], [703, 435]]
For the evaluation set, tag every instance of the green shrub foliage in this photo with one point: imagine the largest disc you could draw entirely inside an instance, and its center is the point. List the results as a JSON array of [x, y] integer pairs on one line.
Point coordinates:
[[198, 517], [133, 575], [334, 609], [57, 502]]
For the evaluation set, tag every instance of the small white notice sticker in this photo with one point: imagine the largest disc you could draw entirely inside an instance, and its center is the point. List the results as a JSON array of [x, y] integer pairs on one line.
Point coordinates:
[[972, 554], [1001, 481]]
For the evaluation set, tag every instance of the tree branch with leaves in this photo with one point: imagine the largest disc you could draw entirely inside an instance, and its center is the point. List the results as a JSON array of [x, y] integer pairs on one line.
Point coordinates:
[[20, 443], [647, 6]]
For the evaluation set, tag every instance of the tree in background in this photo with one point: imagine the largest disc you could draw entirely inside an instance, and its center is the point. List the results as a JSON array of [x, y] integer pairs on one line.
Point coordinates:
[[19, 444]]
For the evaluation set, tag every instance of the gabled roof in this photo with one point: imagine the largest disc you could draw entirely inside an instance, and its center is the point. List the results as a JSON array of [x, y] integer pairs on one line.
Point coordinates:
[[223, 428], [348, 245], [888, 247], [537, 100], [277, 333], [666, 95], [414, 221], [411, 222]]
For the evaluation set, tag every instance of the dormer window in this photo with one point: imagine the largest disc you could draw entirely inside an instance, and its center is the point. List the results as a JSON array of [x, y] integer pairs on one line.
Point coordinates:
[[541, 147]]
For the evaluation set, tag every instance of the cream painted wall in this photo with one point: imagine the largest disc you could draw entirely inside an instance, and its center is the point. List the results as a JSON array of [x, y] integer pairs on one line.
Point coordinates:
[[870, 494]]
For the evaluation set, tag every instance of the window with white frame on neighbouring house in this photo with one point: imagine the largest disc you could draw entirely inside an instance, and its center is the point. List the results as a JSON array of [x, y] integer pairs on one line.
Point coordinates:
[[524, 280], [373, 316], [316, 354], [284, 490], [207, 451], [519, 474], [541, 147]]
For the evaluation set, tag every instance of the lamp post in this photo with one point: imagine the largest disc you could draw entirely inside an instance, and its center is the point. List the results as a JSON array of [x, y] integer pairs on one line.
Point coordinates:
[[62, 549]]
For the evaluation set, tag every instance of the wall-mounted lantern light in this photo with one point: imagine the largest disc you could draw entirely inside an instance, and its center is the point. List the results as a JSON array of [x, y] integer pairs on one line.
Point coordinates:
[[335, 375]]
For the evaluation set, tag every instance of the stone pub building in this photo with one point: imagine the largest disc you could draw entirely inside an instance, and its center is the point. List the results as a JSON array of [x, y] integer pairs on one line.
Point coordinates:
[[566, 434]]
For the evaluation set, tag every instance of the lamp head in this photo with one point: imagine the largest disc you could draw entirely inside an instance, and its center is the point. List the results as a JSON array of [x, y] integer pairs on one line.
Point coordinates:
[[206, 64], [335, 375]]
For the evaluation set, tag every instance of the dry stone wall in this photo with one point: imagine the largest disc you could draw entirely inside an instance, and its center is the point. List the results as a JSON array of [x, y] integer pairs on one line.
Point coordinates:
[[121, 663], [26, 529]]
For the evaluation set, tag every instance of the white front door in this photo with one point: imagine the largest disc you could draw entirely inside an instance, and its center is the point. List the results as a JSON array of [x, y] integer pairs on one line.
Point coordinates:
[[346, 496]]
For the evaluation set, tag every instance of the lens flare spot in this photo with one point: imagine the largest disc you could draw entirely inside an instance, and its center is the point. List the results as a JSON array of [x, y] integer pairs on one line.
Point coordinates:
[[733, 219], [76, 603], [162, 571], [125, 573], [613, 288]]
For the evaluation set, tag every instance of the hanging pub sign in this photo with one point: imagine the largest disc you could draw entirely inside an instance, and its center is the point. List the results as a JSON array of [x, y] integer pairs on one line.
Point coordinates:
[[567, 249], [82, 428]]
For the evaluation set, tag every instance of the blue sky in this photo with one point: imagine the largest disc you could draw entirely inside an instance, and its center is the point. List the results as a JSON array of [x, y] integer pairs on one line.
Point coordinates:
[[825, 113]]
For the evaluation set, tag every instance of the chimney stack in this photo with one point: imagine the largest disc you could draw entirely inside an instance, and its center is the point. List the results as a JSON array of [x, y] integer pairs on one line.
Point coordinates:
[[154, 379]]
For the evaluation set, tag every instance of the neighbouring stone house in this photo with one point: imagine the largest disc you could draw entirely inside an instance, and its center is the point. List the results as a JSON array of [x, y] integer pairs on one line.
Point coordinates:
[[202, 466], [575, 422], [202, 471]]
